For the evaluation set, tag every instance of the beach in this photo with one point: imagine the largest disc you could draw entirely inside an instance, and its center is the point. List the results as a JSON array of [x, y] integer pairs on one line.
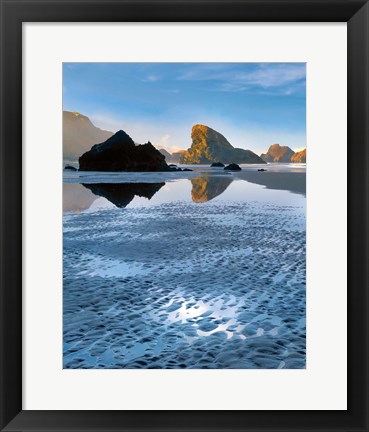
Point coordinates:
[[201, 269]]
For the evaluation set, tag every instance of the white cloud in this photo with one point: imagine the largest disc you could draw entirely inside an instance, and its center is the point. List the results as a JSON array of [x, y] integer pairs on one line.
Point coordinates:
[[265, 76], [273, 76], [151, 78], [165, 143], [173, 137]]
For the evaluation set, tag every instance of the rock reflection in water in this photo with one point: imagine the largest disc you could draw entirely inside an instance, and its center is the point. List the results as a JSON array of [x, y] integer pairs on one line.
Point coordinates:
[[76, 198], [121, 194], [207, 187]]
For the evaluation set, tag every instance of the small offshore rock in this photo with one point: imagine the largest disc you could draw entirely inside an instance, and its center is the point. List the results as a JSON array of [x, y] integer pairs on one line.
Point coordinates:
[[232, 167]]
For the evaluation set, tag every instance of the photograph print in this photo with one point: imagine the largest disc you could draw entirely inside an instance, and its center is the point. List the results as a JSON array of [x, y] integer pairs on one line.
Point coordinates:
[[184, 215]]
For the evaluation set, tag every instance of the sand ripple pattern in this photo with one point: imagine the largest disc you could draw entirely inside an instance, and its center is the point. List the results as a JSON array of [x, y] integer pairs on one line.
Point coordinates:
[[185, 286]]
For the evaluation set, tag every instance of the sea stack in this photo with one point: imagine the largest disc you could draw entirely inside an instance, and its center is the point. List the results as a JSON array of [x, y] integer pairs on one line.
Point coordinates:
[[233, 167], [120, 153], [209, 146], [277, 153]]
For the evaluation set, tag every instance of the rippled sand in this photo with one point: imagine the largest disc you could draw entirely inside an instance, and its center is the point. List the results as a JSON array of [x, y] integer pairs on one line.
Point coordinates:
[[184, 285]]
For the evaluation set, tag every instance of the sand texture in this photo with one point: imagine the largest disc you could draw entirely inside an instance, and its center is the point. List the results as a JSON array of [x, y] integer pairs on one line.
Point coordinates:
[[185, 285]]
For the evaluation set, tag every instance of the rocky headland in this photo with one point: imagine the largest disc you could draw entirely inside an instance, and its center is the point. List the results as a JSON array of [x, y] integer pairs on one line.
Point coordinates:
[[79, 134], [209, 146]]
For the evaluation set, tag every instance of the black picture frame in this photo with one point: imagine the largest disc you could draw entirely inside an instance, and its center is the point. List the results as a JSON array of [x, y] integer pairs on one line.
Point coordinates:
[[16, 12]]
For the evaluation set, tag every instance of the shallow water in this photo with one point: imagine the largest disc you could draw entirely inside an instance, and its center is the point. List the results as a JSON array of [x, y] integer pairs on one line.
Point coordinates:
[[202, 271]]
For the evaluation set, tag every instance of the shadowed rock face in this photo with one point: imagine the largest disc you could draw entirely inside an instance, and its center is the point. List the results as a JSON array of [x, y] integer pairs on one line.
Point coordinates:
[[210, 146], [277, 153], [121, 194], [299, 157], [206, 187], [120, 153]]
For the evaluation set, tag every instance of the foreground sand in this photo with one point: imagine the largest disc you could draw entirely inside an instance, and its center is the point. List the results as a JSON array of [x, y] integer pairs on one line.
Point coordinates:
[[185, 285]]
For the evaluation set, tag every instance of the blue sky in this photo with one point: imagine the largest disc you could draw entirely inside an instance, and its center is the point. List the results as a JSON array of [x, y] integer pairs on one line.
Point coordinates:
[[253, 105]]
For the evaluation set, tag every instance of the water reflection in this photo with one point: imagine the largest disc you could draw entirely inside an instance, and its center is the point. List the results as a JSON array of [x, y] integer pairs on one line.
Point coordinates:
[[207, 187], [121, 194], [76, 198], [244, 185], [294, 182]]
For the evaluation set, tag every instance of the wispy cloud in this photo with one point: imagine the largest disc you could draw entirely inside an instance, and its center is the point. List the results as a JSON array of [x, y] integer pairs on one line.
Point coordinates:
[[282, 78], [151, 78], [273, 76], [252, 104]]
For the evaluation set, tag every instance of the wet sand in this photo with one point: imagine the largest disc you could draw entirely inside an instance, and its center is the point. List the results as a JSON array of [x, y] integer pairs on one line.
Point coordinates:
[[186, 285], [291, 181]]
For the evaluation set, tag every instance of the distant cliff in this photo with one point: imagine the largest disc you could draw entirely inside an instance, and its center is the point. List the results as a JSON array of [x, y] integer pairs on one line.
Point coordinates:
[[283, 154], [299, 157], [277, 153], [120, 153], [174, 157], [210, 146], [79, 134], [165, 153]]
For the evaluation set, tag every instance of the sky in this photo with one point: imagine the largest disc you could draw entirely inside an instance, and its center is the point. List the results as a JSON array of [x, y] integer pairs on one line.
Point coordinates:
[[253, 105]]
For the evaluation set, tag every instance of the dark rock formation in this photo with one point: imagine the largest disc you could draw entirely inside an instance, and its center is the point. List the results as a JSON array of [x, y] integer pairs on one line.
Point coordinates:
[[232, 167], [210, 146], [206, 187], [121, 194], [217, 165], [70, 168], [186, 169], [299, 157], [277, 153], [79, 134], [262, 170], [120, 153]]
